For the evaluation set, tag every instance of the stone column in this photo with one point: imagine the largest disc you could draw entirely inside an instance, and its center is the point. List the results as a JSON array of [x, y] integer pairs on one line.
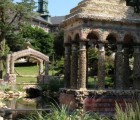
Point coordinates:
[[67, 65], [126, 69], [136, 68], [119, 67], [8, 64], [101, 67], [40, 67], [82, 66], [46, 68], [12, 64], [74, 67]]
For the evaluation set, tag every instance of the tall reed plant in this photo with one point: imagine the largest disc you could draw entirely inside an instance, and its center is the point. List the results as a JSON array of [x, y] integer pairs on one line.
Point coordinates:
[[131, 112], [63, 113]]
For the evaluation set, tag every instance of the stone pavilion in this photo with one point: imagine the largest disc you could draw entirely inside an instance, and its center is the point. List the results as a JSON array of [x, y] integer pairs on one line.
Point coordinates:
[[100, 23]]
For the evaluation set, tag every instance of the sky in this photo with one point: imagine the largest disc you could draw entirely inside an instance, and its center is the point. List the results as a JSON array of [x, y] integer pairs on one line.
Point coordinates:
[[59, 7]]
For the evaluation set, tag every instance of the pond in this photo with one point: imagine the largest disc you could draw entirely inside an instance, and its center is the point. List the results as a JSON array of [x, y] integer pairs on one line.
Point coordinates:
[[25, 105]]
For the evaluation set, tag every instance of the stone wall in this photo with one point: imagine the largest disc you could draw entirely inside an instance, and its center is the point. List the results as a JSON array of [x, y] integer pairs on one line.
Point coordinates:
[[102, 101]]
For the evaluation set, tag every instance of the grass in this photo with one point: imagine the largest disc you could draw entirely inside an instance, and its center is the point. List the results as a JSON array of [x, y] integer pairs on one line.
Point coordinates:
[[29, 70], [92, 82]]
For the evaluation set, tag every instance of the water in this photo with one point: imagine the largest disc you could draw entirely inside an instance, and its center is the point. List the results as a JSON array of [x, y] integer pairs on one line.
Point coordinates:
[[24, 106]]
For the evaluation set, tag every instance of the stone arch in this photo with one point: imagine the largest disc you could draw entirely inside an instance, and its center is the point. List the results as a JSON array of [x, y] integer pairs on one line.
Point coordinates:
[[67, 38], [30, 52], [95, 32], [130, 37], [112, 37], [76, 38], [93, 36], [11, 58]]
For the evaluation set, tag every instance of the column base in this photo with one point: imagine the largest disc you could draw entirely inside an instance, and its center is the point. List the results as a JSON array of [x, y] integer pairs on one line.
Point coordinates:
[[1, 81], [83, 89], [11, 78], [43, 79]]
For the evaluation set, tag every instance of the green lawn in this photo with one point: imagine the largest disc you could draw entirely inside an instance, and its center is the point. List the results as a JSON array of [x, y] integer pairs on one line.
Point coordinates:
[[33, 70], [29, 70]]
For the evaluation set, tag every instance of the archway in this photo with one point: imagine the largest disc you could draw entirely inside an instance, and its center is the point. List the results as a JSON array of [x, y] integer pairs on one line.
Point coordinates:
[[110, 48], [128, 60], [92, 58], [11, 58]]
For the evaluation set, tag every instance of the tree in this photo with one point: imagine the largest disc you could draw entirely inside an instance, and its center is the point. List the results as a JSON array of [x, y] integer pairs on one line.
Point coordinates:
[[12, 17], [93, 61], [59, 45], [40, 40]]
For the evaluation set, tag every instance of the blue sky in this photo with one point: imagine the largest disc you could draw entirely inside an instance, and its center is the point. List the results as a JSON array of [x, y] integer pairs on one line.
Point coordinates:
[[60, 7]]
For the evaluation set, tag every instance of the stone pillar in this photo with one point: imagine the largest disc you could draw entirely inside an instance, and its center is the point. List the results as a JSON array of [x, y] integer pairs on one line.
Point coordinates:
[[82, 66], [119, 67], [136, 70], [8, 64], [74, 67], [126, 69], [40, 67], [101, 67], [67, 65], [12, 64], [46, 68]]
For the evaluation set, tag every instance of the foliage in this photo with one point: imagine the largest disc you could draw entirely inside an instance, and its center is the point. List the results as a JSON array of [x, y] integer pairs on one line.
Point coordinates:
[[93, 61], [5, 87], [59, 45], [63, 113], [40, 40], [109, 65], [59, 67], [55, 83], [130, 113], [12, 15], [15, 42]]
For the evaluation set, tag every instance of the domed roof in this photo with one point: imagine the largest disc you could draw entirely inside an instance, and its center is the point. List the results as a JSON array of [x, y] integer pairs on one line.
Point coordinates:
[[113, 10]]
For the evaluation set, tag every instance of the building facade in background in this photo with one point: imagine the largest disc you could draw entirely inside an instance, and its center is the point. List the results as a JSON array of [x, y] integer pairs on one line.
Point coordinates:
[[44, 20]]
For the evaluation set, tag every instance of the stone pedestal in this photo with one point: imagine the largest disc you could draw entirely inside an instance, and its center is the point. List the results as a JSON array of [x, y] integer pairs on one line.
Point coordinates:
[[11, 78], [43, 79]]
